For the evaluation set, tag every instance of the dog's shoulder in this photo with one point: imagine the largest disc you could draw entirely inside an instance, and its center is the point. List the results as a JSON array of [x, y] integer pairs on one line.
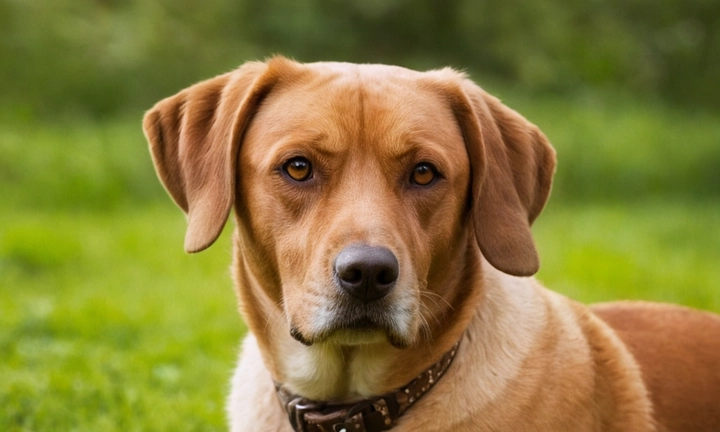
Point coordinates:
[[547, 363], [617, 394]]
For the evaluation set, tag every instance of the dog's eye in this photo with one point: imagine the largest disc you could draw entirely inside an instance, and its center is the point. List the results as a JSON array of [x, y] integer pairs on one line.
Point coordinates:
[[298, 168], [423, 174]]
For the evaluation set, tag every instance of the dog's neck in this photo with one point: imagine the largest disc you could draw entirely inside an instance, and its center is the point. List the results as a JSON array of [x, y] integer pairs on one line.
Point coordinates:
[[376, 414]]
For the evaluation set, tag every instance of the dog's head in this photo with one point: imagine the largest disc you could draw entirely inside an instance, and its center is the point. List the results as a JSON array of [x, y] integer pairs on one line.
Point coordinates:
[[362, 192]]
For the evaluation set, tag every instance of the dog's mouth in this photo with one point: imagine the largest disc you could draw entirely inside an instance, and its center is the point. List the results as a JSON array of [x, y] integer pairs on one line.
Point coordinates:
[[358, 326]]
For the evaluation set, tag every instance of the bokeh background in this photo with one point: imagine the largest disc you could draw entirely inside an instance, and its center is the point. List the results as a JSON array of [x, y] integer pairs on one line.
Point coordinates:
[[105, 323]]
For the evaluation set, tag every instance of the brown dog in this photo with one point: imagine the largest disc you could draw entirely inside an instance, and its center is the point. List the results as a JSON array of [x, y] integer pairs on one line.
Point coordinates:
[[383, 216]]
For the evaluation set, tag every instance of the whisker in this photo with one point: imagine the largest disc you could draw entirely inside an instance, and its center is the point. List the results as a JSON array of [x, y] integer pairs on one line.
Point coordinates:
[[277, 319], [425, 308], [427, 333], [430, 293]]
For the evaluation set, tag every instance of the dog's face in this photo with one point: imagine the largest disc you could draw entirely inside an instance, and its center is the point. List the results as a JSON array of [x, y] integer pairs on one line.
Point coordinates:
[[356, 182], [362, 193]]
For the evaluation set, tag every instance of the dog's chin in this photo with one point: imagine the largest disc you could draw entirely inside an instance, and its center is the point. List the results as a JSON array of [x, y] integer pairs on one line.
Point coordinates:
[[349, 337], [366, 336], [361, 332]]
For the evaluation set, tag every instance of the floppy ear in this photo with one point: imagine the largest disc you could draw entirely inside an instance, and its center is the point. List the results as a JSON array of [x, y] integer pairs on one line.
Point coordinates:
[[518, 169], [512, 166], [194, 140]]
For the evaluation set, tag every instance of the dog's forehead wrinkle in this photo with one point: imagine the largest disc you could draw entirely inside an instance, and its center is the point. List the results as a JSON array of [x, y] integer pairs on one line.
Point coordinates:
[[373, 84]]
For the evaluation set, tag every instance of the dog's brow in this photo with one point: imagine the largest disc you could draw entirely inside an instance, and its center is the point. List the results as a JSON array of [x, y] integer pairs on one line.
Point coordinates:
[[404, 149], [317, 142]]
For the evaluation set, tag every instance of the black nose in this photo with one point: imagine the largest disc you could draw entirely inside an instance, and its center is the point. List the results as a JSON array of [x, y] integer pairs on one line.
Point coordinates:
[[367, 273]]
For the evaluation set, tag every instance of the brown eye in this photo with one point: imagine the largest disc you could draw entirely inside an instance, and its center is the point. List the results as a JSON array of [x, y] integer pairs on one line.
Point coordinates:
[[299, 169], [423, 174]]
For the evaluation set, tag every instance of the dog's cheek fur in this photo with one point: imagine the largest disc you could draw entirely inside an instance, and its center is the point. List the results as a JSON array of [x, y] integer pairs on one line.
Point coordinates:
[[295, 249], [446, 244]]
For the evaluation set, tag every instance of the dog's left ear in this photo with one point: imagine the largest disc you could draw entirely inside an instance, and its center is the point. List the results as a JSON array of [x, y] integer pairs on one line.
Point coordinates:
[[518, 170], [512, 166]]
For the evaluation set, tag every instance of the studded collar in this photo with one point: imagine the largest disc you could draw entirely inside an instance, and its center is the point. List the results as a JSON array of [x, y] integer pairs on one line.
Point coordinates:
[[370, 415]]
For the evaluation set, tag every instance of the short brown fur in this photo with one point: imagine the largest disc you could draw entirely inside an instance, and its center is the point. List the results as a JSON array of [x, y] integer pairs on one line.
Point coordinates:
[[529, 359], [678, 350]]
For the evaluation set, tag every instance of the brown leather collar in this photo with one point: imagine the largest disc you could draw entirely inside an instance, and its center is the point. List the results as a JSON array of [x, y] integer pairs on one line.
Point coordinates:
[[370, 415]]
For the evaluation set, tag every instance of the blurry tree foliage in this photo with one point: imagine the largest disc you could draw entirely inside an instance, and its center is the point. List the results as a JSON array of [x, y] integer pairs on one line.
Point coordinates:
[[105, 56]]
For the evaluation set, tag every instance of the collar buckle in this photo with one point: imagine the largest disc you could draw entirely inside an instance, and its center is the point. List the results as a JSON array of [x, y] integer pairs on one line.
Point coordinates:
[[298, 407]]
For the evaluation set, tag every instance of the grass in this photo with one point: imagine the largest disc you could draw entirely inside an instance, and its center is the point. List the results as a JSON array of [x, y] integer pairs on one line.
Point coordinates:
[[650, 250], [107, 325]]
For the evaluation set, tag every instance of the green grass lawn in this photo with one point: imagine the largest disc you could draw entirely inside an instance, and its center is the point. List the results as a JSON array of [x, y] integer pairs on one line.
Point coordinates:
[[660, 251], [107, 325]]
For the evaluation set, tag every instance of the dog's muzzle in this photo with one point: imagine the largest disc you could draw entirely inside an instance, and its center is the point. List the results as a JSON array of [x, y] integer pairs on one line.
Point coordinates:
[[364, 277]]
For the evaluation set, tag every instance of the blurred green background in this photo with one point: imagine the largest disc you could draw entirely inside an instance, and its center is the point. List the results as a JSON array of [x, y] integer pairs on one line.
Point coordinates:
[[105, 323]]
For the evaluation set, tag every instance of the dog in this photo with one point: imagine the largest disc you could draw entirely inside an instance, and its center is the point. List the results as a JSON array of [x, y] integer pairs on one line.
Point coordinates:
[[383, 260]]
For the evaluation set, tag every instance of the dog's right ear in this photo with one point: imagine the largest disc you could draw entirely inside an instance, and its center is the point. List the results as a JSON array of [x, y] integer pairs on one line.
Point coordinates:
[[195, 138]]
